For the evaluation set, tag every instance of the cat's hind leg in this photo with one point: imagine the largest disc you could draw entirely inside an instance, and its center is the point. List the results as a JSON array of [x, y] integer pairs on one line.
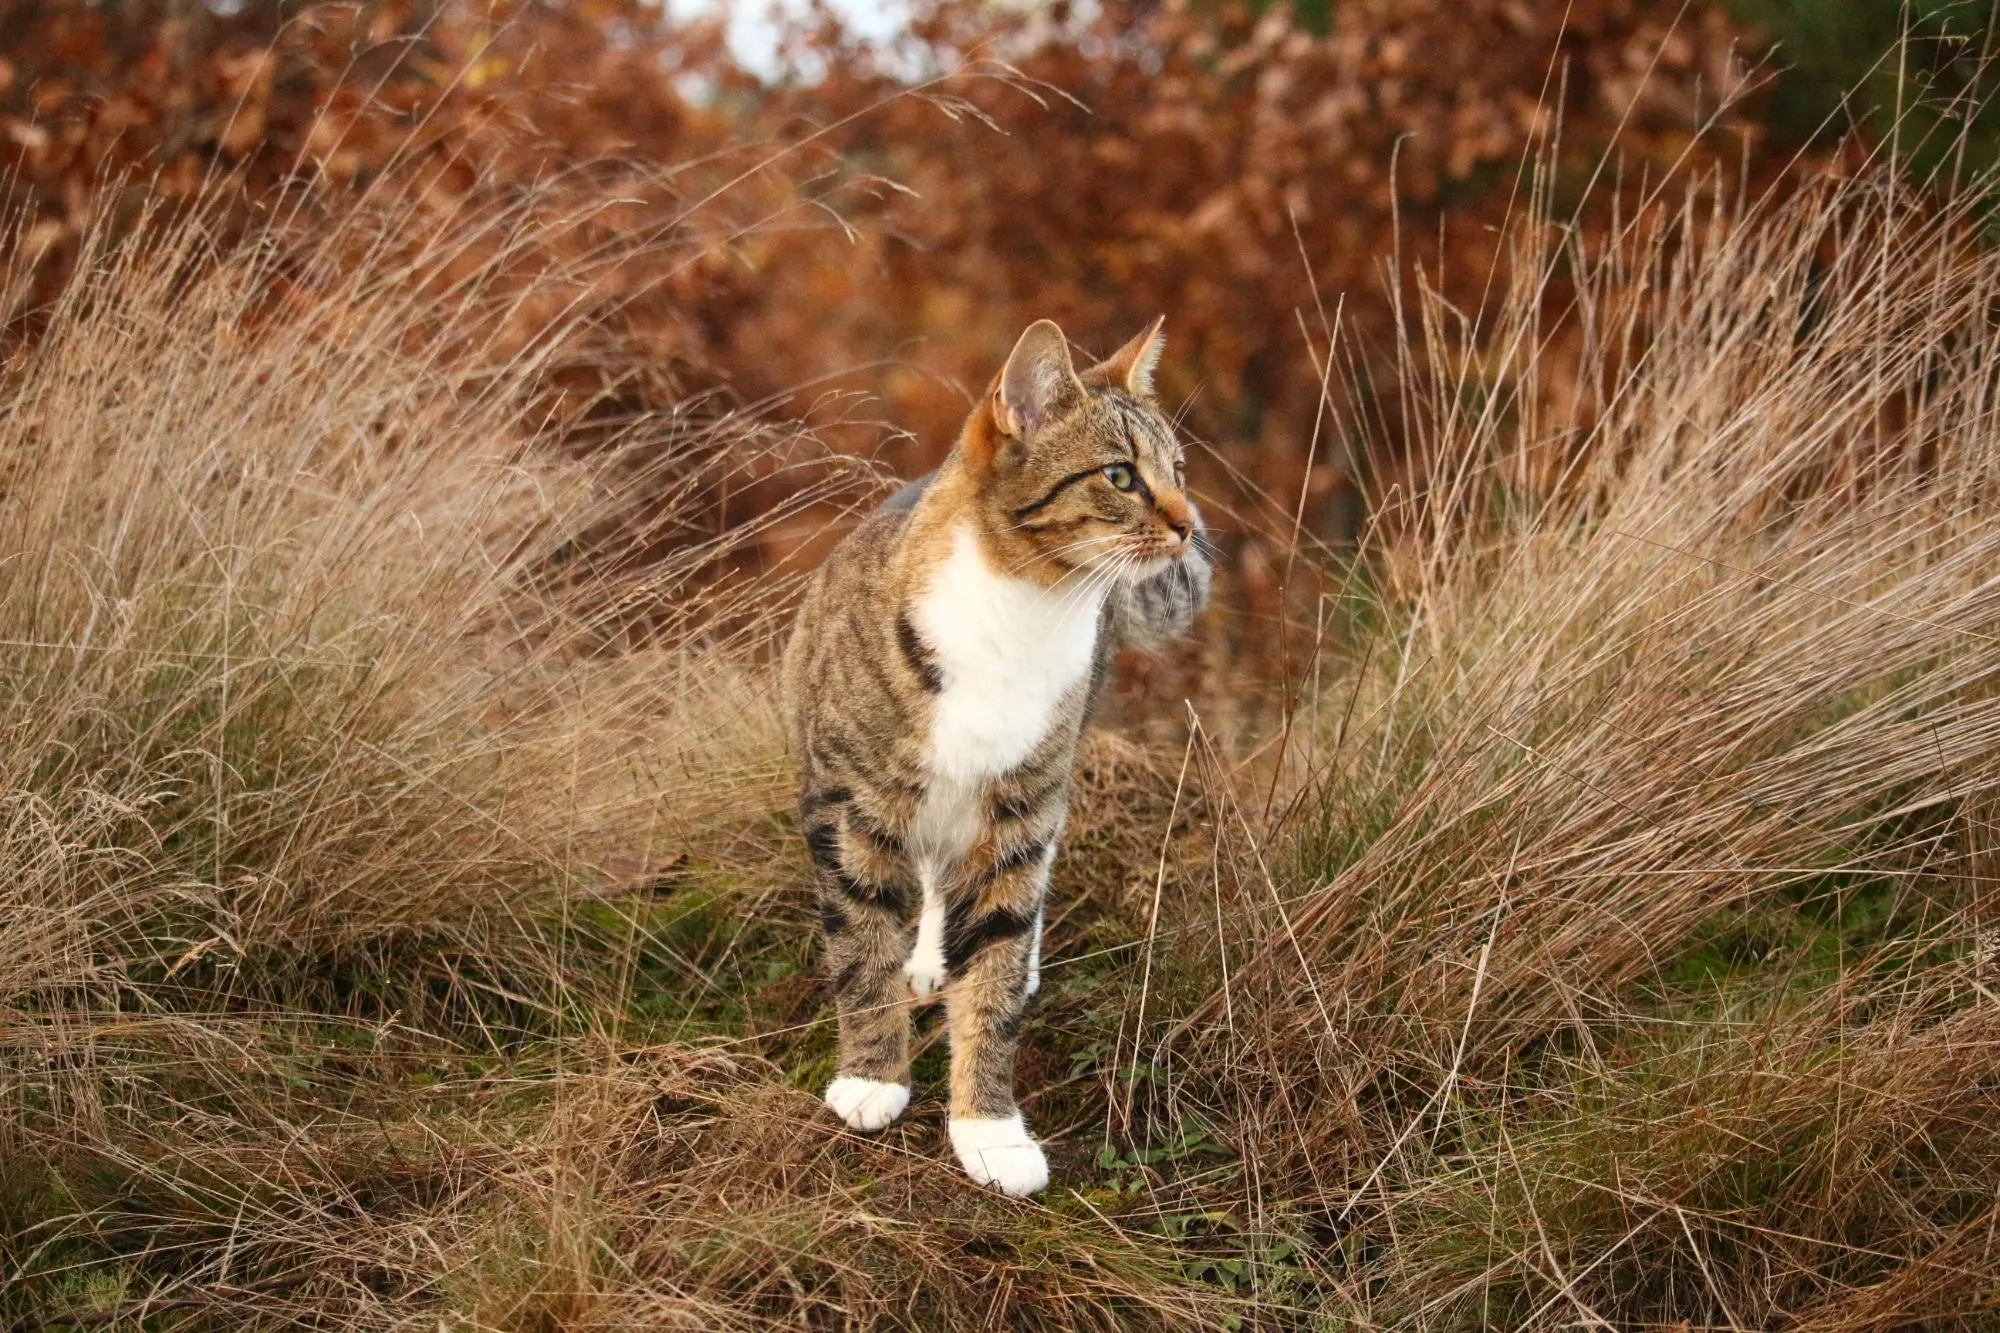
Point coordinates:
[[925, 967], [1034, 982]]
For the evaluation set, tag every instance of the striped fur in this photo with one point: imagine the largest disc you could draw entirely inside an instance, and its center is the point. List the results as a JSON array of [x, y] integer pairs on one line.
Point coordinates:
[[944, 662]]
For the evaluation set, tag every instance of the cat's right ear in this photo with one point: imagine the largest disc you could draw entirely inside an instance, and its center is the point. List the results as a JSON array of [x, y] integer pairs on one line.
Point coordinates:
[[1039, 385]]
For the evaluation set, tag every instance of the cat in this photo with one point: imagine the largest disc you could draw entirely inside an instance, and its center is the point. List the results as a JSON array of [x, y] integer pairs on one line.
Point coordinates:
[[937, 680]]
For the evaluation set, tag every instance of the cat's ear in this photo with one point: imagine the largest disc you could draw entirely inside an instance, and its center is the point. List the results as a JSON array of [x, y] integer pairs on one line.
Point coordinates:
[[1131, 367], [1039, 384]]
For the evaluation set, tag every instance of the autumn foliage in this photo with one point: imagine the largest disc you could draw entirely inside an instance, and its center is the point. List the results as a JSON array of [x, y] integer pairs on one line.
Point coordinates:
[[857, 245]]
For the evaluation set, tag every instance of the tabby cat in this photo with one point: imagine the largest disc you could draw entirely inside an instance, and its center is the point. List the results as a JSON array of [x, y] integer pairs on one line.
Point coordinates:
[[940, 673]]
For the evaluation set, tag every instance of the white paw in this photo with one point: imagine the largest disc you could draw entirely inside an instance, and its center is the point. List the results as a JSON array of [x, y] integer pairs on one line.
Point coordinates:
[[1000, 1153], [866, 1103], [925, 969]]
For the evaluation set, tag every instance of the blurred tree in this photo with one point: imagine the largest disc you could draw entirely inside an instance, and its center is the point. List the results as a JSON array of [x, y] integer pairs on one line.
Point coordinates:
[[1845, 66], [1237, 164]]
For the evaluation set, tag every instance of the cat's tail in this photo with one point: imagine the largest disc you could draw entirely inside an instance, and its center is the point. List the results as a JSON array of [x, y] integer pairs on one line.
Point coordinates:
[[1156, 611]]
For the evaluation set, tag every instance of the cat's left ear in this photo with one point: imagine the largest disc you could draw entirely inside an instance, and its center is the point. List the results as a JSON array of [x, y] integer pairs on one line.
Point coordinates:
[[1131, 367], [1038, 386]]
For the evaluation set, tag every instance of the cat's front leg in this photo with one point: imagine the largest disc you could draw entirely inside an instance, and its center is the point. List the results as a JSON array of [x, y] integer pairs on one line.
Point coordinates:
[[990, 942], [866, 900]]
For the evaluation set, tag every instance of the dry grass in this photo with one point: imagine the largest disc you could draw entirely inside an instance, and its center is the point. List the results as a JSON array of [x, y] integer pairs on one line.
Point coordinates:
[[1619, 958], [316, 734], [1601, 935]]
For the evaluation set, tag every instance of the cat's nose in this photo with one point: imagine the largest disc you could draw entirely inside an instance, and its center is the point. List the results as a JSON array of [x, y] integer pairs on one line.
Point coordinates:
[[1181, 526]]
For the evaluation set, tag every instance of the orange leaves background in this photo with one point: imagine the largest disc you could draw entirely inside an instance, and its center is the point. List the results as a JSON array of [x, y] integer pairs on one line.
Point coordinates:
[[859, 247]]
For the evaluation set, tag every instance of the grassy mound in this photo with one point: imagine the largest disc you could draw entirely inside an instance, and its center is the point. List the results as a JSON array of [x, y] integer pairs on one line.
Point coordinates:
[[404, 927]]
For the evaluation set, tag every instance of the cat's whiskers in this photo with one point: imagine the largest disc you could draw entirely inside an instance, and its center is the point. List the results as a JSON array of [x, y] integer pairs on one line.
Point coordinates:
[[1118, 541], [1106, 573], [1106, 539], [1094, 576], [1074, 578], [1080, 592]]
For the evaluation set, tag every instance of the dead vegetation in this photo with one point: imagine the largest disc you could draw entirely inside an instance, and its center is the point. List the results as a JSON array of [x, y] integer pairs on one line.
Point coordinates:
[[402, 927]]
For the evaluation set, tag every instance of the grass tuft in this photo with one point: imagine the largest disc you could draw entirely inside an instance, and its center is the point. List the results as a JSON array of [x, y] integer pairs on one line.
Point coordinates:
[[403, 925]]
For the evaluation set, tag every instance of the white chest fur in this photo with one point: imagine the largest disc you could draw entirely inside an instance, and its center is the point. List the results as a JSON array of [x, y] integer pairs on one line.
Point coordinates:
[[1008, 652]]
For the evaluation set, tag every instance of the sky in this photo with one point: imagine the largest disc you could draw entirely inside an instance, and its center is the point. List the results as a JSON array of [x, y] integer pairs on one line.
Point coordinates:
[[753, 35]]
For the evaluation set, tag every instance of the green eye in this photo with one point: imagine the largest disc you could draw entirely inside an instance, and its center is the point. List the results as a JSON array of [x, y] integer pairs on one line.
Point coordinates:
[[1120, 477]]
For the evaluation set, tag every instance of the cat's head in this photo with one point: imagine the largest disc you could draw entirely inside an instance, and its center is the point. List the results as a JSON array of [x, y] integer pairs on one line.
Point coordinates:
[[1080, 473]]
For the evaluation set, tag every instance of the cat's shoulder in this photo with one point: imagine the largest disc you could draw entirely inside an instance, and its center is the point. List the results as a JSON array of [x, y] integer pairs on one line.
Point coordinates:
[[872, 542], [907, 495]]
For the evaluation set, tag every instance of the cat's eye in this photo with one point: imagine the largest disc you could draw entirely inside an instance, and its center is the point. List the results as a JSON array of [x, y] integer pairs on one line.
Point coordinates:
[[1120, 477]]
